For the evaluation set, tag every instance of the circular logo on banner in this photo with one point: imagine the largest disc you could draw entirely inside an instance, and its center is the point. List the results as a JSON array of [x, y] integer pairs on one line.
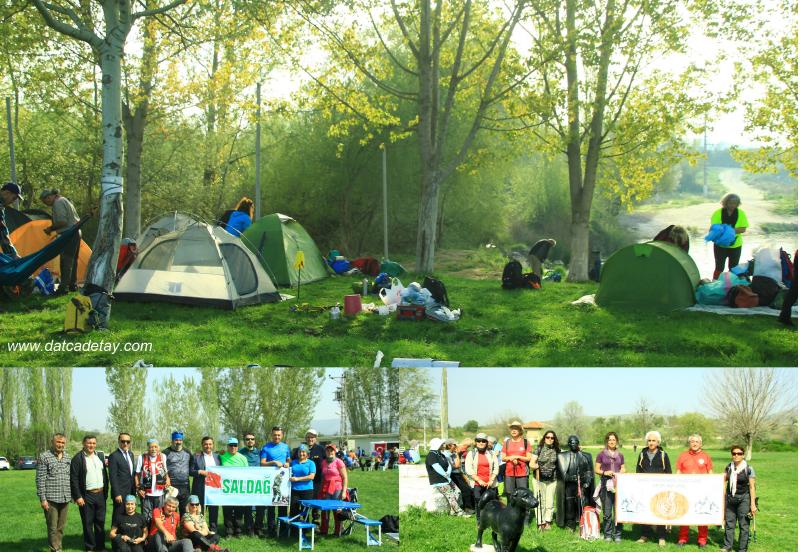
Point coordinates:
[[669, 505]]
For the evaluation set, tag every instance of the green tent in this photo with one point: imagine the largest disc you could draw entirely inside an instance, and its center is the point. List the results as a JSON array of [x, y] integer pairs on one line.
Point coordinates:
[[655, 276], [276, 239]]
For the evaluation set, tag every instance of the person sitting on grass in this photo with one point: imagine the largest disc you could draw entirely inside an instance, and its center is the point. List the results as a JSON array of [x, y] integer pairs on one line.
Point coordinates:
[[196, 529], [676, 235], [128, 529], [164, 529]]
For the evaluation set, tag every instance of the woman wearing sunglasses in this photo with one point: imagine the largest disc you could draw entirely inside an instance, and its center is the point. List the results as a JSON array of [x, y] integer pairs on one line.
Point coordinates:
[[481, 468], [740, 499], [543, 467]]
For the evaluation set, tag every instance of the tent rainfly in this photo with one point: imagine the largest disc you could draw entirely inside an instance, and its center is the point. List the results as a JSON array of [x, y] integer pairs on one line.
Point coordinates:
[[656, 276], [30, 237], [200, 264], [276, 239]]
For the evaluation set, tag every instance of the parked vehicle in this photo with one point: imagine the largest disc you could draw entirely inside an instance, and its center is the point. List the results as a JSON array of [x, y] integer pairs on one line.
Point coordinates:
[[26, 463], [4, 464]]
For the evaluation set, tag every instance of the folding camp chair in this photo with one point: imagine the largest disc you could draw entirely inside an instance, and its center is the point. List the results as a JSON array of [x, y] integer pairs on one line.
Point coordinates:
[[348, 515]]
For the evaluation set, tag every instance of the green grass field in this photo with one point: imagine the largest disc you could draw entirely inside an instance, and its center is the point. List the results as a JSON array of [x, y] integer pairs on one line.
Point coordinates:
[[498, 328], [22, 525], [776, 523]]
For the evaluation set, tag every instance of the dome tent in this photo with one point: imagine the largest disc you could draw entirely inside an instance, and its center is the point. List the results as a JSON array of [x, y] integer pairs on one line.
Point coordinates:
[[30, 237], [276, 239], [164, 224], [198, 265], [655, 275]]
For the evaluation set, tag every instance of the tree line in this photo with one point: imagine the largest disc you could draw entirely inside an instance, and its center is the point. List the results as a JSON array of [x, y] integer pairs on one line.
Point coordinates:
[[35, 403], [500, 122]]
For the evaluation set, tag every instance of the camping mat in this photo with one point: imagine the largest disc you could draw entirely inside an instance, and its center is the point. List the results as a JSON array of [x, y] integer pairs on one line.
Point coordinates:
[[725, 310]]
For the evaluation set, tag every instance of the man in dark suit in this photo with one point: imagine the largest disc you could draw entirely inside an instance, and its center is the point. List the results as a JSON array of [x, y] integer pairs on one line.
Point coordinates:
[[200, 462], [88, 481], [121, 466]]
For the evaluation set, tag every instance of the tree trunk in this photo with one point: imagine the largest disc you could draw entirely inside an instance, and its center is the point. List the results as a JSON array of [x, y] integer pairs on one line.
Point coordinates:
[[427, 224], [105, 250], [134, 138]]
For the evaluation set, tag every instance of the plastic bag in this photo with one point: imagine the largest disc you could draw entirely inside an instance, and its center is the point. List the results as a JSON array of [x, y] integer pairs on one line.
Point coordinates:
[[392, 295], [714, 293], [768, 263]]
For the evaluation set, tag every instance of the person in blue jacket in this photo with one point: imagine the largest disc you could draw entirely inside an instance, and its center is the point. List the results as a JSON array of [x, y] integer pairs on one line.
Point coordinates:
[[241, 218], [729, 214]]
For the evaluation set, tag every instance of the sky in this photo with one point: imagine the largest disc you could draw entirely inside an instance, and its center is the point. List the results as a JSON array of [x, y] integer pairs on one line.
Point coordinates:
[[91, 397], [539, 393]]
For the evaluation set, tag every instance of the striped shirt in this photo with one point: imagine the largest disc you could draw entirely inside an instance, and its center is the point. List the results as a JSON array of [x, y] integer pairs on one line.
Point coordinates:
[[52, 478]]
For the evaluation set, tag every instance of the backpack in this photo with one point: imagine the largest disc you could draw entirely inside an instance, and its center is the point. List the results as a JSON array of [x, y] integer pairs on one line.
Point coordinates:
[[512, 275], [437, 289], [765, 288], [390, 524], [77, 318], [531, 280], [741, 296], [590, 524], [787, 268], [367, 265]]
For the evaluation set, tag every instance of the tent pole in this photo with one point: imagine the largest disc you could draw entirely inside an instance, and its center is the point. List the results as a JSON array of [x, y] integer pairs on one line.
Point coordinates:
[[12, 162], [385, 209]]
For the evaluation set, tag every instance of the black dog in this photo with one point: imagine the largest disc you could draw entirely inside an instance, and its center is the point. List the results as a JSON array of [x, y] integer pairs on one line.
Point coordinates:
[[507, 521]]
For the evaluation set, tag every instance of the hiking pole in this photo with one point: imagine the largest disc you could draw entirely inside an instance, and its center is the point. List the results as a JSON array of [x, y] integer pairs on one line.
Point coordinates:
[[753, 516]]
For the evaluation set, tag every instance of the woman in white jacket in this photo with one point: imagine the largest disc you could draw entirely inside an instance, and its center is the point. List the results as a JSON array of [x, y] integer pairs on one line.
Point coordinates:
[[481, 468]]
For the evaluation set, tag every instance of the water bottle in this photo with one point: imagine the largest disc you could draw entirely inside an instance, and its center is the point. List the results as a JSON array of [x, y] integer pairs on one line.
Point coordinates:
[[365, 288], [335, 311]]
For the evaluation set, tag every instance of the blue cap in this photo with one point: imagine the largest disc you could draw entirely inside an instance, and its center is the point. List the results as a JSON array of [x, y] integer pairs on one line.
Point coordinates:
[[194, 500], [129, 498], [233, 441], [177, 435], [302, 447], [152, 441]]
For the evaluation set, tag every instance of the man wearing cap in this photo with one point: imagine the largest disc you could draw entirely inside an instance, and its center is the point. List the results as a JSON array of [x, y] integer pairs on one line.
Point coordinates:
[[179, 463], [64, 216], [9, 194], [516, 453], [53, 489], [151, 478], [201, 462], [275, 454], [316, 453], [481, 469], [121, 470], [128, 528], [253, 454], [89, 486], [232, 458]]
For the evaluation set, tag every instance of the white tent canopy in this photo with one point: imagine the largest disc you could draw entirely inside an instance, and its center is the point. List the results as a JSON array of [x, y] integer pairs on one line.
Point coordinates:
[[199, 264]]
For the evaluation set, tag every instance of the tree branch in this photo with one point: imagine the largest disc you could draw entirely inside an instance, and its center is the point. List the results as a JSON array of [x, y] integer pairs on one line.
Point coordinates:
[[79, 33], [155, 11], [404, 30], [387, 49]]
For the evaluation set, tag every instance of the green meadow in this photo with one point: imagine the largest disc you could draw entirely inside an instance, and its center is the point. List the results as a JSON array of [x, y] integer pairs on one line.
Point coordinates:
[[776, 523], [498, 328], [22, 526]]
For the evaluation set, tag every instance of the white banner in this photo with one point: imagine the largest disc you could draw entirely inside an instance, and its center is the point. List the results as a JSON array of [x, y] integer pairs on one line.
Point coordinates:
[[247, 486], [671, 499]]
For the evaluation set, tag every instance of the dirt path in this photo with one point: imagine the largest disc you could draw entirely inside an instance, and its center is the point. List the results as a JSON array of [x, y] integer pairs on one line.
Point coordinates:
[[646, 224]]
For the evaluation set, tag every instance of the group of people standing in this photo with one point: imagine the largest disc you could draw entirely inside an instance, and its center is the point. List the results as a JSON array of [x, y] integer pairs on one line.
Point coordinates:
[[170, 487], [564, 480]]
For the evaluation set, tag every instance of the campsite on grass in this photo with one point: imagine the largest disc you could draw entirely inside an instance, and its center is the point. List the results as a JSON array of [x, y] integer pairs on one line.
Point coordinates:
[[276, 189]]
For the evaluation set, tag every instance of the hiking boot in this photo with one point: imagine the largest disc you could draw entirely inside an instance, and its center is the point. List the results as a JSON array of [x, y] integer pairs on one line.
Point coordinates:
[[617, 540]]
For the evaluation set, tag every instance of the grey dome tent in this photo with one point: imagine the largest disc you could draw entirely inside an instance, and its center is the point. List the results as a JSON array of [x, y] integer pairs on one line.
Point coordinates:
[[651, 276], [200, 264], [164, 224]]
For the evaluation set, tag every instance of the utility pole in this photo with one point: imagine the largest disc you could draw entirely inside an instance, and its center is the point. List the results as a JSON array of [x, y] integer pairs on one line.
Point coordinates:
[[12, 163], [705, 155], [340, 395], [385, 208], [443, 405], [258, 150]]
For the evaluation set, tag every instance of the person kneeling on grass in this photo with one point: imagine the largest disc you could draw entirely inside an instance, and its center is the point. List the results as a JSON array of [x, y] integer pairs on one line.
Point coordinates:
[[196, 529], [439, 476], [128, 529], [164, 529]]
